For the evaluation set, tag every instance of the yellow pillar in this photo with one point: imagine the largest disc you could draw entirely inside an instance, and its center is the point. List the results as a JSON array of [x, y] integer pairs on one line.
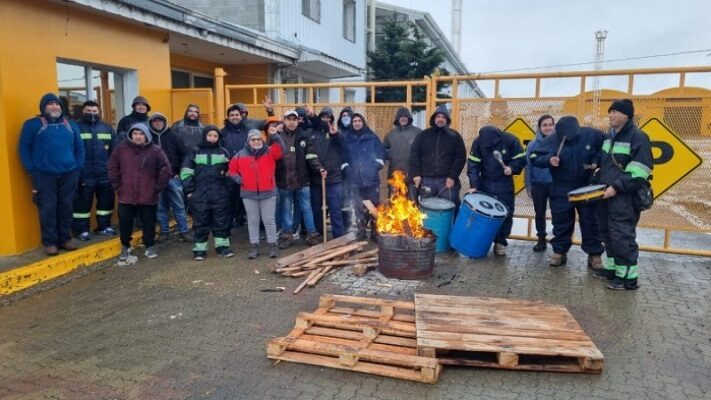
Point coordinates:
[[220, 105]]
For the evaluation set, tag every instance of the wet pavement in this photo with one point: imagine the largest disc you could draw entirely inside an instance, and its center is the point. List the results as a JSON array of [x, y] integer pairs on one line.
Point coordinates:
[[173, 328]]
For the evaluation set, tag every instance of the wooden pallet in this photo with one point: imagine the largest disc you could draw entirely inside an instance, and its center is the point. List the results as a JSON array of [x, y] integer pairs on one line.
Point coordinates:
[[503, 333], [375, 337]]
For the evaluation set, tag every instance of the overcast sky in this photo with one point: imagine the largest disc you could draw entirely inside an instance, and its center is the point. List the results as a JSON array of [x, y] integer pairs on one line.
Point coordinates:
[[511, 34]]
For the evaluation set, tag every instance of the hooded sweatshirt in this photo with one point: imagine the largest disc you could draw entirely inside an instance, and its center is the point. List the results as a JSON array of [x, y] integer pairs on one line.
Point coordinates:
[[438, 152], [51, 145], [484, 171], [171, 144], [134, 117], [365, 156], [398, 142], [204, 171], [138, 172], [325, 151]]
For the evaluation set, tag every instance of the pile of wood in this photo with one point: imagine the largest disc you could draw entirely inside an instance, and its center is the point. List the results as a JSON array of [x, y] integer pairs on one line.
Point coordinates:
[[316, 262]]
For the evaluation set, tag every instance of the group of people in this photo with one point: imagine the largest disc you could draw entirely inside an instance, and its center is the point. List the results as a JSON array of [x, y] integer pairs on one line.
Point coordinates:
[[276, 173]]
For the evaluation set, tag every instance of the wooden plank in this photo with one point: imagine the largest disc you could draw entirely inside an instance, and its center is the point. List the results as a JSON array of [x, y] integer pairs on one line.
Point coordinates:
[[405, 305], [358, 322], [502, 343], [365, 367], [336, 252], [513, 316], [356, 335], [468, 302], [313, 251], [355, 342], [552, 367], [507, 360], [465, 326], [372, 314]]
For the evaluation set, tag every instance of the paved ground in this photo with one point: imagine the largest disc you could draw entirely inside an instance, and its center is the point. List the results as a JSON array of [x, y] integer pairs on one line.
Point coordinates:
[[174, 329]]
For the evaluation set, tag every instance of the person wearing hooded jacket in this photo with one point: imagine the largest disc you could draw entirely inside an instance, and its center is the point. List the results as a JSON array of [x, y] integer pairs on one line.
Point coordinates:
[[141, 108], [172, 197], [344, 124], [325, 153], [438, 156], [538, 180], [189, 128], [571, 169], [138, 170], [52, 152], [365, 160], [487, 175], [253, 168], [398, 142], [205, 182], [626, 167], [97, 137]]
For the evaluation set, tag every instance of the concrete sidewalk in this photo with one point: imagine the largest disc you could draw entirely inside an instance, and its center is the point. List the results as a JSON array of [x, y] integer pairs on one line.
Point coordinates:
[[171, 328]]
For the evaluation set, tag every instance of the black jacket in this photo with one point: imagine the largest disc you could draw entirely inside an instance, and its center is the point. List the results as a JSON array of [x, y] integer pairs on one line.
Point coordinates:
[[170, 143], [578, 155], [626, 162], [205, 170], [234, 136], [325, 151], [292, 169], [484, 171], [130, 120], [438, 152], [98, 138]]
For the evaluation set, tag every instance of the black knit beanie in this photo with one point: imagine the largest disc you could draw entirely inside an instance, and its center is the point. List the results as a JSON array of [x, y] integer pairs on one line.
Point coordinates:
[[624, 106]]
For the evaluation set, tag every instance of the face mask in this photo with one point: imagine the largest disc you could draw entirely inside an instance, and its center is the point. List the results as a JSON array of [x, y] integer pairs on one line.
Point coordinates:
[[346, 120], [90, 117]]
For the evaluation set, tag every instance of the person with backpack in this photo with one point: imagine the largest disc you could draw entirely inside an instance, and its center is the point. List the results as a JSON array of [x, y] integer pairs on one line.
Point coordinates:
[[52, 152]]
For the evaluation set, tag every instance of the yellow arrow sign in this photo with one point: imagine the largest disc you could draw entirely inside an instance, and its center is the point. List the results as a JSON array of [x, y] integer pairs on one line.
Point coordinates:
[[673, 159], [525, 134]]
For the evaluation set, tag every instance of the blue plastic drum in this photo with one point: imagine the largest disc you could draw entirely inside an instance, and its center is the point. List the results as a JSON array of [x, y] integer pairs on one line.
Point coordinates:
[[479, 219], [440, 213]]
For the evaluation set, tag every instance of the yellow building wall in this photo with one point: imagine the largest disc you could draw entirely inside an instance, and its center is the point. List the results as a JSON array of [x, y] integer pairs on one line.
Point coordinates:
[[34, 34], [244, 75]]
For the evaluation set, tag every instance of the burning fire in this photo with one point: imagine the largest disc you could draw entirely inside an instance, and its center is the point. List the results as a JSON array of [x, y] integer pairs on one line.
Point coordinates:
[[401, 216]]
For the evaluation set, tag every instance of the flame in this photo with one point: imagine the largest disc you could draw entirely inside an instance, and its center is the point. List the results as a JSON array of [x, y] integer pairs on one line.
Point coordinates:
[[401, 213]]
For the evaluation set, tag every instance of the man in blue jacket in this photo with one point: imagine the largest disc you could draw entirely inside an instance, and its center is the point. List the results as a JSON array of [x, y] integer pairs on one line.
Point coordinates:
[[538, 180], [571, 165], [52, 152], [365, 160], [98, 138]]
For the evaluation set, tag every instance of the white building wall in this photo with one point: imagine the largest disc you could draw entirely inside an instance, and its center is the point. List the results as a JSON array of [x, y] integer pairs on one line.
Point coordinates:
[[326, 35]]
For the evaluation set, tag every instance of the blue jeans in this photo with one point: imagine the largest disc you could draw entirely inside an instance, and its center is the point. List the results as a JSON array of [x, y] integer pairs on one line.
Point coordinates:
[[293, 202], [334, 200], [172, 198]]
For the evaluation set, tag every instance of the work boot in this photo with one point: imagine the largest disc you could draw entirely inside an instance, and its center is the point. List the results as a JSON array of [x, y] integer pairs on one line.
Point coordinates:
[[313, 238], [558, 259], [108, 231], [253, 251], [285, 240], [595, 261], [185, 236], [608, 274], [51, 250], [273, 250], [69, 245], [84, 236], [125, 252], [224, 252], [199, 255], [541, 245], [499, 249], [617, 284]]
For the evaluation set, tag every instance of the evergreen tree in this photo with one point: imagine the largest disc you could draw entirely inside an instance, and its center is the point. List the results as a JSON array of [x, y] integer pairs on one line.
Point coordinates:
[[403, 55]]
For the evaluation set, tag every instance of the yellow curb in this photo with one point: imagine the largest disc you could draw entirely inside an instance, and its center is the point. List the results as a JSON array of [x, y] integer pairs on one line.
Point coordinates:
[[52, 267]]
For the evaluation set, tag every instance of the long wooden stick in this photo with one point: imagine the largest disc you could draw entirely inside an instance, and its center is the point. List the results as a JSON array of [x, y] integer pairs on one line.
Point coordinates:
[[313, 281], [303, 284], [341, 251], [348, 262], [323, 208], [307, 254]]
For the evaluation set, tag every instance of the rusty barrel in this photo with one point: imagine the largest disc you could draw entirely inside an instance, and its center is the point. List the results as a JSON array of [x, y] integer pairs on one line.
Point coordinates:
[[405, 257]]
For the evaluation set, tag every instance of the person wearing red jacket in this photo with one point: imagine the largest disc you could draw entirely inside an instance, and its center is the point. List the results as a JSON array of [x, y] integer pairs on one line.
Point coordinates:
[[253, 168], [138, 171]]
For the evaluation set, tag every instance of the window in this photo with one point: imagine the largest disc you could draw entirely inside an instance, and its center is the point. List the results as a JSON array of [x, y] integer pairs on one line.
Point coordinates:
[[349, 19], [78, 82], [186, 80], [311, 9]]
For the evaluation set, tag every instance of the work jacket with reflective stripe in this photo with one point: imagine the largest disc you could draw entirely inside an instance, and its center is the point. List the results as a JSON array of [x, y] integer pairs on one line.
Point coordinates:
[[485, 173], [97, 138], [626, 159]]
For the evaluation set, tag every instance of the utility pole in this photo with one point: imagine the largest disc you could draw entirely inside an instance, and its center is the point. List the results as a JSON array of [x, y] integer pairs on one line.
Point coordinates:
[[457, 25]]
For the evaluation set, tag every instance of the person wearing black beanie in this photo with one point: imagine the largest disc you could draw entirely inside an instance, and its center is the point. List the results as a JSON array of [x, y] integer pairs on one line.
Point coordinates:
[[626, 168]]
